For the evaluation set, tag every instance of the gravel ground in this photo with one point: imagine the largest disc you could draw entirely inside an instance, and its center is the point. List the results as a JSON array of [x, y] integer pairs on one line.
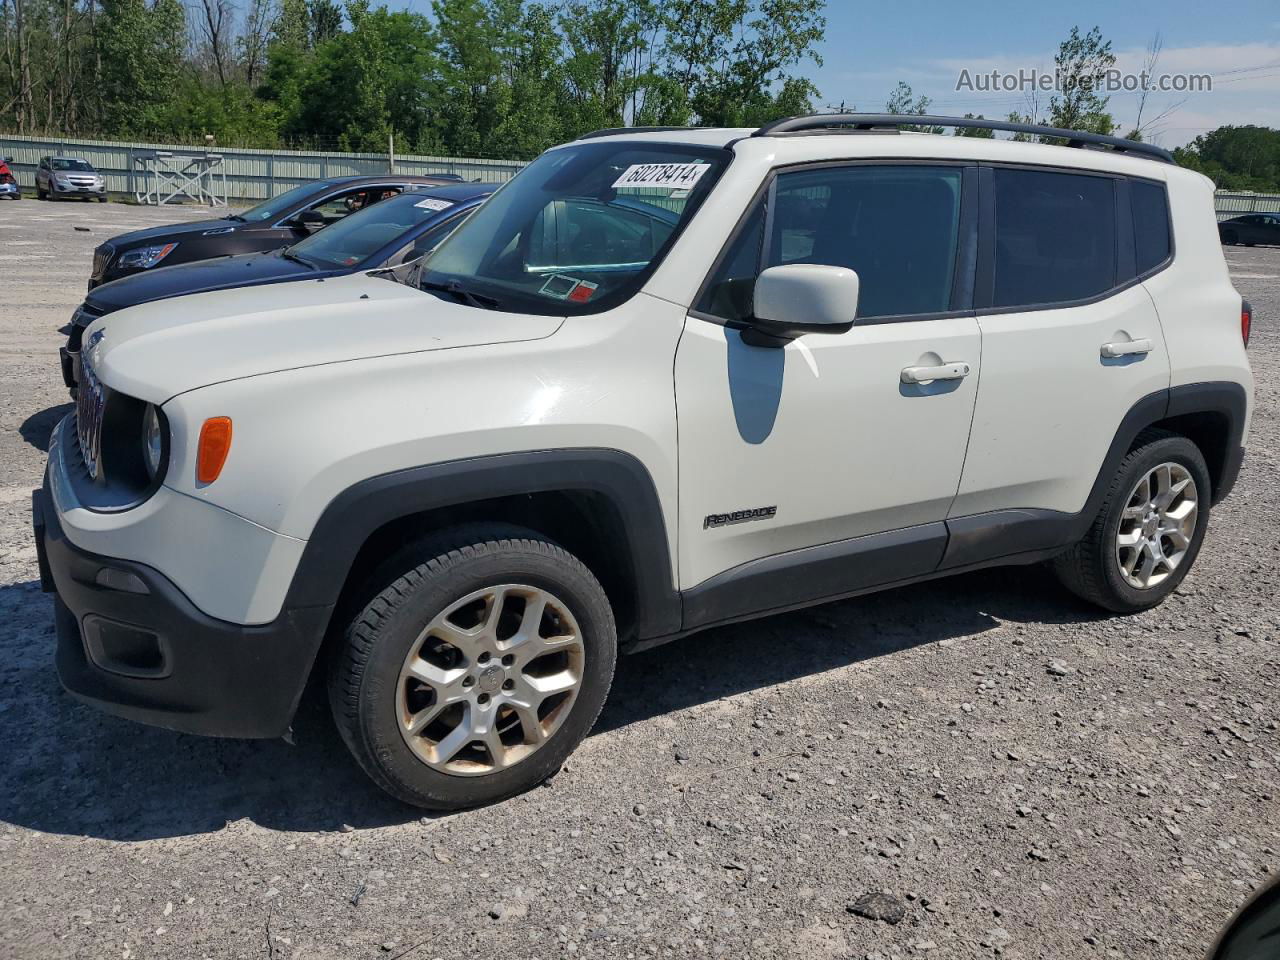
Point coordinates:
[[1023, 777]]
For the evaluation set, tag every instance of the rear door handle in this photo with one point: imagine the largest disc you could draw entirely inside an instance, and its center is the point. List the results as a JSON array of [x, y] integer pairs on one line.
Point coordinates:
[[945, 371], [1126, 349]]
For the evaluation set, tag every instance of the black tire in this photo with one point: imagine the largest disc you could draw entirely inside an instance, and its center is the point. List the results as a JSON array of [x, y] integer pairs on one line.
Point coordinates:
[[102, 199], [41, 195], [1091, 570], [423, 581]]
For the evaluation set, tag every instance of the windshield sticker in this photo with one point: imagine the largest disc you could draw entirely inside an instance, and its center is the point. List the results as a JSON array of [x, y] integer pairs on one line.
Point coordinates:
[[432, 203], [558, 286], [568, 288], [683, 176]]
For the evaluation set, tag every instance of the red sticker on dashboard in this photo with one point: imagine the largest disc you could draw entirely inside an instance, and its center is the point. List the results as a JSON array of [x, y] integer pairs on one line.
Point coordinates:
[[582, 292]]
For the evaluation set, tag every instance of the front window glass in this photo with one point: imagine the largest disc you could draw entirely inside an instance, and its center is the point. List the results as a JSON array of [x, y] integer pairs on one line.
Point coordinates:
[[897, 226], [348, 242], [578, 230], [80, 166], [269, 209]]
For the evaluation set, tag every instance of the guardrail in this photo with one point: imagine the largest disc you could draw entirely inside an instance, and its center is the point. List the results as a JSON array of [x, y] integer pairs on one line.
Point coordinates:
[[251, 175]]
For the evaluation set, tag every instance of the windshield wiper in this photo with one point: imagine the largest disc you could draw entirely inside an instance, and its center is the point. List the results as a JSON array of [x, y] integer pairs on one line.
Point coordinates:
[[296, 259], [464, 296]]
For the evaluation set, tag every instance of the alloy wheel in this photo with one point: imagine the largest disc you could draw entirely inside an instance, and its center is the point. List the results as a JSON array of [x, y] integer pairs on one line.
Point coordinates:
[[490, 680], [1157, 525]]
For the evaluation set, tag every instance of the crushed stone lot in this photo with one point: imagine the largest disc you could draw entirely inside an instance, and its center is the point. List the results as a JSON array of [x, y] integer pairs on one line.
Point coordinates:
[[980, 766]]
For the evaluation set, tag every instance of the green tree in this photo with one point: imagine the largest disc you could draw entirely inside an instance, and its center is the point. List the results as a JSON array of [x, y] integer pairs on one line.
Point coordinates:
[[1236, 158], [1082, 64], [902, 101], [749, 81], [367, 83], [983, 133], [140, 49]]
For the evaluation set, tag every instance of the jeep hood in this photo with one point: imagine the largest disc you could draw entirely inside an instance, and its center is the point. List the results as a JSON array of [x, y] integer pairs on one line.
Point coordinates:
[[155, 351]]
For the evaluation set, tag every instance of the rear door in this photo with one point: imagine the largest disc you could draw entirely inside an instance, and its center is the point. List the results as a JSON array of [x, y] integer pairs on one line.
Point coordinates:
[[1070, 338], [822, 441]]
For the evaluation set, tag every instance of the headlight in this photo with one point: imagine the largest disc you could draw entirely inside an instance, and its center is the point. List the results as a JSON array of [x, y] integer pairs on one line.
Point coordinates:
[[153, 437], [144, 257]]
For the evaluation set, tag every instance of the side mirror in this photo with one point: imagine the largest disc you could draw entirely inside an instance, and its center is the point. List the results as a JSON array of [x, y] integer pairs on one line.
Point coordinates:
[[309, 220], [801, 298]]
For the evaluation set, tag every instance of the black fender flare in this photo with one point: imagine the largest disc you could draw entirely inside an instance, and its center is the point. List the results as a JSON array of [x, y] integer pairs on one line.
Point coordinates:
[[1035, 534], [356, 513]]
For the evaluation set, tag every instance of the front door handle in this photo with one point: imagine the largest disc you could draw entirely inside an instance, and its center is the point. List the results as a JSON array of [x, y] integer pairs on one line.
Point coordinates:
[[1126, 349], [944, 371]]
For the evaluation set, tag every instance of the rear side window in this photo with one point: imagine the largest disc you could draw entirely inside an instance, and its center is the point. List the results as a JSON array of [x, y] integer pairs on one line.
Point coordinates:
[[1055, 237], [1150, 224]]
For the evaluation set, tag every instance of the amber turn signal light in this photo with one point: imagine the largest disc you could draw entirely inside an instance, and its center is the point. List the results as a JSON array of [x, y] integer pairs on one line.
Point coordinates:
[[215, 444]]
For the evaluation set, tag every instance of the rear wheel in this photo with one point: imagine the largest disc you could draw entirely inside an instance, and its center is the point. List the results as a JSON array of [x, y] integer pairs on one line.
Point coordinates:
[[476, 669], [1149, 530]]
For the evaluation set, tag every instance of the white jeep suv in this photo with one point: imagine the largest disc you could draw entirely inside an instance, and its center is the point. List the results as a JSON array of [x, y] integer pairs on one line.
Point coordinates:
[[662, 380]]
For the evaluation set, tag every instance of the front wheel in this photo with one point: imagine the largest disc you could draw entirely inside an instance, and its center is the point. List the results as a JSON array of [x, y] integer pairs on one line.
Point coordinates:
[[1149, 530], [476, 670]]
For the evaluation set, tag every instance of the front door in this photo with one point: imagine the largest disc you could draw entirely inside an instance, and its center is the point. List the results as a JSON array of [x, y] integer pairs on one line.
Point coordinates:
[[787, 455]]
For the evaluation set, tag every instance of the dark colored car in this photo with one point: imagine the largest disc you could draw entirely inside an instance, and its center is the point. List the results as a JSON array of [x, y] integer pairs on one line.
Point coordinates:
[[1250, 229], [388, 234], [270, 225]]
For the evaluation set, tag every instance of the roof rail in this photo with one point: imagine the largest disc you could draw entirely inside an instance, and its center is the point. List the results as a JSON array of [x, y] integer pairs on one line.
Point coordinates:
[[614, 131], [865, 122]]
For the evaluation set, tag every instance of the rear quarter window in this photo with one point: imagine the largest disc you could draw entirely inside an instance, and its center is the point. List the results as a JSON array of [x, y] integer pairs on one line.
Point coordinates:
[[1152, 241]]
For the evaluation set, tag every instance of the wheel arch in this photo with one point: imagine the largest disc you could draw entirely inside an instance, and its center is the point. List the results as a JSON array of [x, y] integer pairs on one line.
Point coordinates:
[[1211, 415], [599, 504]]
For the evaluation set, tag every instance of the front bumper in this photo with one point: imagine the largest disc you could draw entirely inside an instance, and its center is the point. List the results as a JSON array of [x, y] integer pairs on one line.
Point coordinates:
[[131, 643], [78, 190]]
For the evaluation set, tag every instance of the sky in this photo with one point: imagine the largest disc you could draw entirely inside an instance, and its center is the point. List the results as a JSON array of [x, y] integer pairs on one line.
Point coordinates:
[[870, 47]]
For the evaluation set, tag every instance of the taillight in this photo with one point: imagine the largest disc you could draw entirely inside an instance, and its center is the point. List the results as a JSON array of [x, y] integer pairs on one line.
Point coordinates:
[[1246, 321]]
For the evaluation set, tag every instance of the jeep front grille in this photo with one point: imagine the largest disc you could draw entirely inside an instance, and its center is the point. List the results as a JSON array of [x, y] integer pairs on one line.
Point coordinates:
[[90, 402]]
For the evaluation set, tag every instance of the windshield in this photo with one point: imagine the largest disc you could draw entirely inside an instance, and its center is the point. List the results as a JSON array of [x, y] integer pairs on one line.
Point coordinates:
[[352, 239], [276, 205], [60, 163], [578, 230]]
